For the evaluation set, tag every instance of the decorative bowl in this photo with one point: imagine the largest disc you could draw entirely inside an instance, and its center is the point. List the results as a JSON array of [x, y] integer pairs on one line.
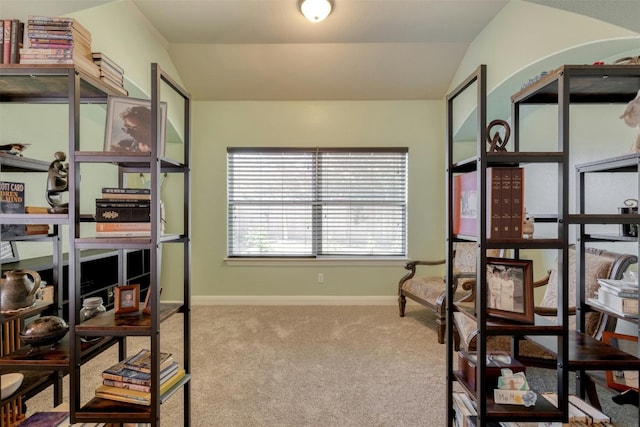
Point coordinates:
[[10, 383], [45, 330]]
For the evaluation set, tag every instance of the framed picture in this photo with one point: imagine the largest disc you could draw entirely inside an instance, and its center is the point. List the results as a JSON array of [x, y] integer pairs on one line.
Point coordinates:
[[146, 309], [127, 299], [8, 252], [622, 380], [465, 204], [129, 125], [510, 289]]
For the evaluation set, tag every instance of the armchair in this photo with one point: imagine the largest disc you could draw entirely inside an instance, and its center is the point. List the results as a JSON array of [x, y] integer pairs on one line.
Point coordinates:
[[430, 291]]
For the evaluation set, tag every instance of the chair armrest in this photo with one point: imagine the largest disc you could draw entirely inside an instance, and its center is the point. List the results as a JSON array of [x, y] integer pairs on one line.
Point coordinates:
[[551, 311], [542, 281], [411, 266]]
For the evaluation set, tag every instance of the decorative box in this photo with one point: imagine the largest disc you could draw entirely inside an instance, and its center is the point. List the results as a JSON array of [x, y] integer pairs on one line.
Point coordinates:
[[496, 361]]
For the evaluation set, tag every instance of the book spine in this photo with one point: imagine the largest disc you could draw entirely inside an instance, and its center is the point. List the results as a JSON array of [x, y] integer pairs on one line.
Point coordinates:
[[134, 197], [6, 43], [517, 204], [125, 379], [113, 190], [1, 41], [123, 214], [123, 203], [16, 41], [12, 201], [624, 305], [46, 61], [123, 226], [494, 203], [129, 386], [506, 202], [125, 399]]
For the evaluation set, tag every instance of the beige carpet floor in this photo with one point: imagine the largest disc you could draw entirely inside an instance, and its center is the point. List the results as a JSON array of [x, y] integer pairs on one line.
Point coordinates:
[[287, 366]]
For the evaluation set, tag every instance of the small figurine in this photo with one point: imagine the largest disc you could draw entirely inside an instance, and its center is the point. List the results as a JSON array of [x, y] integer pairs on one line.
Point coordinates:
[[631, 117], [528, 225], [496, 143], [58, 183]]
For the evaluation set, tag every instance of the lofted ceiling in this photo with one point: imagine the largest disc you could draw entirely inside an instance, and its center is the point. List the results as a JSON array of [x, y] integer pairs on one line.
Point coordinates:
[[365, 50]]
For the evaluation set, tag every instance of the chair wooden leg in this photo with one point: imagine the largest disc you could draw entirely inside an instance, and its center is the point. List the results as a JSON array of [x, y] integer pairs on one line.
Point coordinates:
[[402, 303], [441, 324]]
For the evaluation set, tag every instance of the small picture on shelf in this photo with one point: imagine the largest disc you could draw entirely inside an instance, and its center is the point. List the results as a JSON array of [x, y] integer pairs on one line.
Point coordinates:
[[129, 125], [622, 380], [510, 289], [146, 309], [127, 299]]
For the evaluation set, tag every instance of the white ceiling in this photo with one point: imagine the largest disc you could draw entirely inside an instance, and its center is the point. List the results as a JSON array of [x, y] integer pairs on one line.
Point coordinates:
[[365, 50]]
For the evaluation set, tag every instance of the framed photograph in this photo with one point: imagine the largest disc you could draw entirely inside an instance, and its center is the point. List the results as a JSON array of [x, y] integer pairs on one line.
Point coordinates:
[[127, 299], [510, 289], [129, 125], [622, 380], [146, 309], [8, 252]]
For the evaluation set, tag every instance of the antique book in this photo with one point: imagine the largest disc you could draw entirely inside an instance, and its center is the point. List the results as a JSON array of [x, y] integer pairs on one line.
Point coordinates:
[[494, 203], [11, 202], [119, 372], [123, 226], [142, 361], [506, 202], [517, 202]]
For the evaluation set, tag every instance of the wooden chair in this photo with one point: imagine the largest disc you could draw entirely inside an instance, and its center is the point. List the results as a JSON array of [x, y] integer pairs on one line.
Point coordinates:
[[430, 291]]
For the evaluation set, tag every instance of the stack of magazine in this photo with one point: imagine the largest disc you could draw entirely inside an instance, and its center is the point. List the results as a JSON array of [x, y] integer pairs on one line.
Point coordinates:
[[130, 380]]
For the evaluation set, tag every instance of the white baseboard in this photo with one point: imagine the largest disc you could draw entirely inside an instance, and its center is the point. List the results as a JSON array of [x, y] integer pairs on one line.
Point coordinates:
[[293, 300]]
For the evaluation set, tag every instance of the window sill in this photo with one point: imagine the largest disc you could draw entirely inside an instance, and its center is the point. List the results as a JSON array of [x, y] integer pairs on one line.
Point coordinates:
[[302, 262]]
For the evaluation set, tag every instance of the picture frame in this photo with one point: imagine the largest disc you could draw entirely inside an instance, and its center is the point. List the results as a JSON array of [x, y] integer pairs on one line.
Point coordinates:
[[127, 299], [8, 252], [510, 289], [128, 127], [621, 380], [146, 309]]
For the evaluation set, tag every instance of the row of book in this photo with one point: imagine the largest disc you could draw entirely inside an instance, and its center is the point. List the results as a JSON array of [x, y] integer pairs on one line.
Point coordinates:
[[581, 413], [618, 296], [12, 201], [123, 212], [505, 207], [130, 380], [11, 40]]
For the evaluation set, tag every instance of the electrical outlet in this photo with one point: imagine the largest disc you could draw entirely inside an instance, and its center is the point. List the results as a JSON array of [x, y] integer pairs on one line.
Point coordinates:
[[320, 277]]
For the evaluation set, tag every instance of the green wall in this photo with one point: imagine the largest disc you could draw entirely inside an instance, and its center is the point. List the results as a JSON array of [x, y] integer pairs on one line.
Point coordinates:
[[515, 40]]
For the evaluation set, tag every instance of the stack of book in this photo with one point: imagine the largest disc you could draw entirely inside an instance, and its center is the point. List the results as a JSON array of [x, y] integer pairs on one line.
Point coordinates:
[[130, 380], [123, 212], [58, 40], [618, 296], [110, 73]]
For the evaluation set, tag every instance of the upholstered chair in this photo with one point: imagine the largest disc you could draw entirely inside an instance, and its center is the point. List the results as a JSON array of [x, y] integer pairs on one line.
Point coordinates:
[[430, 291]]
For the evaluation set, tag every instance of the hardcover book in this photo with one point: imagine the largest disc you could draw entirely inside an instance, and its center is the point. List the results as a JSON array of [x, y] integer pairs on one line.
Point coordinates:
[[119, 372], [517, 204], [142, 361], [135, 396], [11, 202], [45, 419], [494, 203]]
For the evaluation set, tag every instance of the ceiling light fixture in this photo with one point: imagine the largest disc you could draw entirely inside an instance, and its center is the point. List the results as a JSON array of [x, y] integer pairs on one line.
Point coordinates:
[[315, 10]]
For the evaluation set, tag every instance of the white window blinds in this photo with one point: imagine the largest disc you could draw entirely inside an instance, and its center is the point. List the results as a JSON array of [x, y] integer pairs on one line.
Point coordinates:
[[285, 202]]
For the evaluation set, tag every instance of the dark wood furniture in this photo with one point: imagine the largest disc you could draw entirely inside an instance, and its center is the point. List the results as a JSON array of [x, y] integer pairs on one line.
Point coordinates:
[[573, 350], [74, 276]]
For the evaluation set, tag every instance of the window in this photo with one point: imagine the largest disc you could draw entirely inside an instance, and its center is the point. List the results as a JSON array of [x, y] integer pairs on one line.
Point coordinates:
[[285, 202]]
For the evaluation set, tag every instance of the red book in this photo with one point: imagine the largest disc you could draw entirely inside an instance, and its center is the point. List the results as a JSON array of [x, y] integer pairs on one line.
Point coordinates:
[[6, 43]]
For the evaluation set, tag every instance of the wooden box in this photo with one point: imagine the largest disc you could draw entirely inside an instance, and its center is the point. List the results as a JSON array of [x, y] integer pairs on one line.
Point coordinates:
[[496, 360]]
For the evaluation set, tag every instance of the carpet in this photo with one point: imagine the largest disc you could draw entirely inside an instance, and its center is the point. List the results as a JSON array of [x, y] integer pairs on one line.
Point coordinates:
[[301, 366]]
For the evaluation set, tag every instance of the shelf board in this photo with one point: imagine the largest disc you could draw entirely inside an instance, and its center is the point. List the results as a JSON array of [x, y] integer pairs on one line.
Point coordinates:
[[100, 410], [131, 162], [49, 84], [542, 410], [610, 238], [57, 358], [59, 219], [604, 219], [108, 324], [37, 308], [495, 326], [587, 84], [14, 163], [624, 163]]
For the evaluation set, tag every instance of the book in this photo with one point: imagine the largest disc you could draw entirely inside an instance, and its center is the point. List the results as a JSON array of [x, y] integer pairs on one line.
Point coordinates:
[[465, 204], [135, 396], [16, 40], [36, 209], [516, 201], [45, 419], [123, 203], [506, 202], [123, 214], [123, 226], [142, 361], [494, 204], [102, 58], [594, 302], [11, 202], [119, 372], [6, 43], [618, 303], [595, 415], [31, 229], [119, 193], [164, 376]]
